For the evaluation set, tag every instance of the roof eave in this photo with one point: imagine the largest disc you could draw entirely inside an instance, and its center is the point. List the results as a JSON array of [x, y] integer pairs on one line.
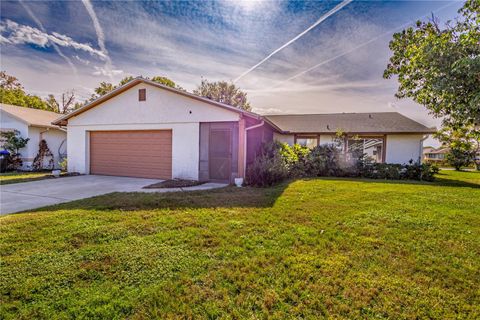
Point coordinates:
[[358, 132], [64, 120], [17, 117]]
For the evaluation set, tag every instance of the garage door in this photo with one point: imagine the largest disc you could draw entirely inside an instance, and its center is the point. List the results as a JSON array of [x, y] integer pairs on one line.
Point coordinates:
[[143, 154]]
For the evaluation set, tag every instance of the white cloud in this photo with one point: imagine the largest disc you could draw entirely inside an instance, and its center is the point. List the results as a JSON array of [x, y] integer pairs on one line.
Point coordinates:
[[42, 28], [109, 72], [108, 69], [22, 34], [84, 61]]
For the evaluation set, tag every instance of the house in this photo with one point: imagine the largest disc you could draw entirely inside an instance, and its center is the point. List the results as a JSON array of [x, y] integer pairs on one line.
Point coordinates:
[[36, 125], [384, 136], [433, 155], [146, 129]]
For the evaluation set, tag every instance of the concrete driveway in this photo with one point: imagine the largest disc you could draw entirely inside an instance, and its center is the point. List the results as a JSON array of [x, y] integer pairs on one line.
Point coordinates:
[[30, 195]]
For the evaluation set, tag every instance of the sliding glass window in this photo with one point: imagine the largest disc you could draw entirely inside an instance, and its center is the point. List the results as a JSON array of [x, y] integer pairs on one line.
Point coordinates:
[[307, 141], [372, 147]]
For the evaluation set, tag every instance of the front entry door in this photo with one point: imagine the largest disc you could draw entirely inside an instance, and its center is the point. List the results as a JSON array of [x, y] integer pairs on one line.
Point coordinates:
[[220, 154]]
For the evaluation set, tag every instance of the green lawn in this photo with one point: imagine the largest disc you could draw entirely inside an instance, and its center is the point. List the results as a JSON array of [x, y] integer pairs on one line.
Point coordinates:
[[16, 177], [322, 248]]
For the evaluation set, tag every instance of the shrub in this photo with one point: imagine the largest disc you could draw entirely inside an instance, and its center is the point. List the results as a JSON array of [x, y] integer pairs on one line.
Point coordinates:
[[277, 162], [419, 171], [63, 164], [268, 168], [392, 171], [460, 156], [295, 158], [13, 142], [323, 160]]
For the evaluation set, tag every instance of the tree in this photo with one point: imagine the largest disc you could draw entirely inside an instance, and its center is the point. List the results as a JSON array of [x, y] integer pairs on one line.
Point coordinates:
[[459, 156], [125, 80], [440, 68], [12, 92], [13, 142], [18, 97], [464, 145], [65, 105], [9, 82], [104, 88], [223, 92]]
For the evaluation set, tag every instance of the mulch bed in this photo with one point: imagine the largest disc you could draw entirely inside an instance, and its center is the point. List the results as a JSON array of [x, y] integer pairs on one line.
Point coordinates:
[[175, 183]]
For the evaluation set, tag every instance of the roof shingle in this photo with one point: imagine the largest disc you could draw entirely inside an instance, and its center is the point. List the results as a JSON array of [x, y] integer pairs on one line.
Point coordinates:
[[33, 117], [375, 122]]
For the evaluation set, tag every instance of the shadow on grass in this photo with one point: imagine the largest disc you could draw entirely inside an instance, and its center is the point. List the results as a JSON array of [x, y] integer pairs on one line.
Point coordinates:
[[229, 197]]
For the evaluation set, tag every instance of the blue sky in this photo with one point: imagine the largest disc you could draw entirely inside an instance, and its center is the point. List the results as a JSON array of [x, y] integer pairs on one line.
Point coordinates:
[[55, 46]]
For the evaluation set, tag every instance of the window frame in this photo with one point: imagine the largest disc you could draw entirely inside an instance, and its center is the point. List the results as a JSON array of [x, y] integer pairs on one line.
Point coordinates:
[[307, 136], [142, 94], [367, 136]]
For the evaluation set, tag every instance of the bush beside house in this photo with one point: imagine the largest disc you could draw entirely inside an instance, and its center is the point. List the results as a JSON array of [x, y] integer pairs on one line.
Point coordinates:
[[277, 162]]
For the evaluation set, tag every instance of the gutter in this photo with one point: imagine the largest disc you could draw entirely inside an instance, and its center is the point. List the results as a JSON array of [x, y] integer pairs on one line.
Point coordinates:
[[245, 145]]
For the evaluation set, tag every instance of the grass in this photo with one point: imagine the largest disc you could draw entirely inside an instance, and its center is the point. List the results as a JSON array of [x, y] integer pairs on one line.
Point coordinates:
[[320, 248], [16, 177]]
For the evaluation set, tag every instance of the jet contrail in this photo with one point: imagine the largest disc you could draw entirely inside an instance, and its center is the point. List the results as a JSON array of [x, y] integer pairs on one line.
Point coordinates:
[[54, 45], [100, 35], [320, 20], [354, 49]]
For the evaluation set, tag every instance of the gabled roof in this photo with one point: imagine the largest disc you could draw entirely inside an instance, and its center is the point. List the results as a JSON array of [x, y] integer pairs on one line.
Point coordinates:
[[32, 117], [64, 120], [374, 122]]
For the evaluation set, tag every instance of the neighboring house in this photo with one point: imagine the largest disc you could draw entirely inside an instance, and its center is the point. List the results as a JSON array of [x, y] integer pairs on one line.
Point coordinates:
[[145, 129], [36, 125], [384, 136], [433, 155]]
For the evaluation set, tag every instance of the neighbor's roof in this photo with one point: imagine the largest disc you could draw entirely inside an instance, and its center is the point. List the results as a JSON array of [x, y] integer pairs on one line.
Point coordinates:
[[374, 122], [440, 150], [30, 116], [63, 120]]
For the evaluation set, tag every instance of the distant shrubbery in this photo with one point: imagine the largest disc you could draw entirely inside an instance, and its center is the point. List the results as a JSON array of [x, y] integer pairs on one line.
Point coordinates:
[[279, 161]]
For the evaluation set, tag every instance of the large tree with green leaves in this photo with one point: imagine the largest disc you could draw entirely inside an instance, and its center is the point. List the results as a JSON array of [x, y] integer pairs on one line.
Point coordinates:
[[224, 92], [439, 67], [12, 92]]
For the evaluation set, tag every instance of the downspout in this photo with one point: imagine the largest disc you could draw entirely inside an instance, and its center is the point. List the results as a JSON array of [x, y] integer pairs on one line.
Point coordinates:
[[42, 132], [245, 145]]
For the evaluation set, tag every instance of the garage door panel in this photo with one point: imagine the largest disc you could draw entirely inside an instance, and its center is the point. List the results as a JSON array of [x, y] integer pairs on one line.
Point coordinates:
[[146, 154], [109, 149], [123, 140]]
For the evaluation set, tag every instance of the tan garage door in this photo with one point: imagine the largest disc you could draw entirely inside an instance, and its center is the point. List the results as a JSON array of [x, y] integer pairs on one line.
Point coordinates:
[[143, 154]]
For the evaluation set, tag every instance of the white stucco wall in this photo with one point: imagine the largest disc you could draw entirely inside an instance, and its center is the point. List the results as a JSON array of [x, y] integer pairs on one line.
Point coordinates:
[[54, 139], [161, 110], [403, 147]]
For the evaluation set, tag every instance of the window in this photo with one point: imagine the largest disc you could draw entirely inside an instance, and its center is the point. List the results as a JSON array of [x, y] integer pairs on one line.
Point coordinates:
[[142, 94], [307, 141], [372, 147]]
